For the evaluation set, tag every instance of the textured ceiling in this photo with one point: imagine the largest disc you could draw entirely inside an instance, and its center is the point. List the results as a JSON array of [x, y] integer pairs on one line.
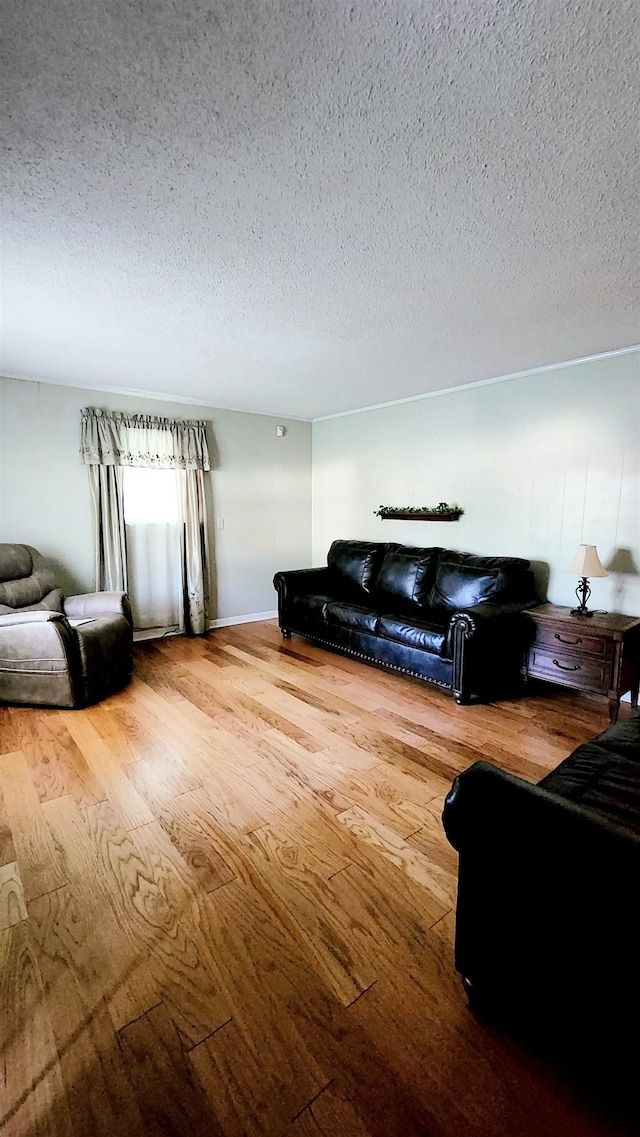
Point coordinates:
[[307, 206]]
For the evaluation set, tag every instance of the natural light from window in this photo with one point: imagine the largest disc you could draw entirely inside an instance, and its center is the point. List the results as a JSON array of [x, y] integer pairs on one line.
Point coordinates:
[[153, 546], [150, 496]]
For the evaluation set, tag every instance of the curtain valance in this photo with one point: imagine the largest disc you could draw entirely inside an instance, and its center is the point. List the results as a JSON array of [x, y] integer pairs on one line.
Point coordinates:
[[112, 438]]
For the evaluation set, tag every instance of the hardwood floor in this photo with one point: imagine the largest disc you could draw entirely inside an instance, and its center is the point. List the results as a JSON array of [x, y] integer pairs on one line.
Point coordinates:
[[226, 904]]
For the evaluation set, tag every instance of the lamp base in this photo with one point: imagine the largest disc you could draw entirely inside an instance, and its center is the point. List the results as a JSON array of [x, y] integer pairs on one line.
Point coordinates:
[[583, 592]]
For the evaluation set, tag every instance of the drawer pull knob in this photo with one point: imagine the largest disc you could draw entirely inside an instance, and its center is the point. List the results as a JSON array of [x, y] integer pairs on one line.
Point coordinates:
[[573, 643], [562, 668]]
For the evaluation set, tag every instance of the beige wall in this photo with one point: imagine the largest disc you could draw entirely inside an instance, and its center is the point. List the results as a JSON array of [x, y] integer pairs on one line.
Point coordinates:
[[539, 464], [261, 488]]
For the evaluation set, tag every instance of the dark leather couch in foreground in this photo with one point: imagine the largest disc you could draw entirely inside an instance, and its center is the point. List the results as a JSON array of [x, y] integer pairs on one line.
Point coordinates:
[[453, 619], [547, 931]]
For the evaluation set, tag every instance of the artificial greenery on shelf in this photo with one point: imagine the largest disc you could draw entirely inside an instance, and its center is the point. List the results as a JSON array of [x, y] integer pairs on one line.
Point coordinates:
[[442, 508]]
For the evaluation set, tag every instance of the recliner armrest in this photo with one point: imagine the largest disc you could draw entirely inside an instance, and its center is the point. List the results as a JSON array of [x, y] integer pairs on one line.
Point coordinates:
[[94, 604], [40, 616]]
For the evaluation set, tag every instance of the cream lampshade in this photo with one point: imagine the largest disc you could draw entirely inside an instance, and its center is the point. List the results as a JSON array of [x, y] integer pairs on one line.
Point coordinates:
[[585, 563]]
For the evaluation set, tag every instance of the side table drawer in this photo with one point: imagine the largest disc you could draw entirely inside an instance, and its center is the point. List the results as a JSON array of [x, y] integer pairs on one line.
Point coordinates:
[[598, 654], [570, 670], [565, 639]]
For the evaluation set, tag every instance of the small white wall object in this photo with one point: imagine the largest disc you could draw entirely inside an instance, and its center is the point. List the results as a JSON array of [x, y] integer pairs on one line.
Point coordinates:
[[281, 431]]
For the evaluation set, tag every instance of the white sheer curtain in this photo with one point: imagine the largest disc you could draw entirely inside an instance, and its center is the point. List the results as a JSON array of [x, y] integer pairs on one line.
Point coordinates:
[[153, 547], [111, 441], [153, 553]]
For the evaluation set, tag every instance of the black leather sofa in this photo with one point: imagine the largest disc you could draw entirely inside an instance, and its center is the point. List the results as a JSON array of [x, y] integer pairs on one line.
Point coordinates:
[[452, 619], [547, 928]]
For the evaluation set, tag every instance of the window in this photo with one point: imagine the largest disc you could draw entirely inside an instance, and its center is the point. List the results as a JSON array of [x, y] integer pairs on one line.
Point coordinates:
[[150, 496], [153, 546]]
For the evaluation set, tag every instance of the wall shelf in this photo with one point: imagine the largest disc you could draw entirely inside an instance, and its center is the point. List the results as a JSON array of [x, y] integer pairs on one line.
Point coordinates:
[[420, 516]]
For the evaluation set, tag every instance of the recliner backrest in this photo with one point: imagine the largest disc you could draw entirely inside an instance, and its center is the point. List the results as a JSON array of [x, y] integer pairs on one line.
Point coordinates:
[[27, 584]]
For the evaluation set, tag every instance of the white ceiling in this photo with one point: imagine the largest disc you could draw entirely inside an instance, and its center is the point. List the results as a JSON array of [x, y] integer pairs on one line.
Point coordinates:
[[307, 206]]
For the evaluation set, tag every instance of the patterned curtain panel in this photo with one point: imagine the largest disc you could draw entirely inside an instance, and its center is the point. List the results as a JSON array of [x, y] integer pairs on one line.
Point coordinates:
[[111, 440], [110, 547], [192, 509]]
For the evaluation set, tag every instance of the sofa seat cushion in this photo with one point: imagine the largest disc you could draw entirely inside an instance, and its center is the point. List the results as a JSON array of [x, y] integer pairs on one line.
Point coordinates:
[[313, 606], [622, 738], [406, 576], [427, 635], [571, 778], [352, 616], [601, 780]]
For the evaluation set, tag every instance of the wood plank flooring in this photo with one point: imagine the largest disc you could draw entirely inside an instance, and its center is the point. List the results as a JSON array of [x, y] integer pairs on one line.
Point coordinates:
[[226, 904]]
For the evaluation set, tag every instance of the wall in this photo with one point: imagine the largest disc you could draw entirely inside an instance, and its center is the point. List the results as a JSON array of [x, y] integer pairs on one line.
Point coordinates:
[[539, 464], [260, 488]]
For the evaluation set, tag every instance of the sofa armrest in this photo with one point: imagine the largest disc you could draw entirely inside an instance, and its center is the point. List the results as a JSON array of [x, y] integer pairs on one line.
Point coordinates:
[[40, 616], [485, 641], [297, 582], [545, 908], [485, 614], [484, 800], [94, 604]]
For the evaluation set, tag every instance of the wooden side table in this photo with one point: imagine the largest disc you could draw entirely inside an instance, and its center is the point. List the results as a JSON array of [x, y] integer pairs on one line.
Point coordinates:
[[597, 654]]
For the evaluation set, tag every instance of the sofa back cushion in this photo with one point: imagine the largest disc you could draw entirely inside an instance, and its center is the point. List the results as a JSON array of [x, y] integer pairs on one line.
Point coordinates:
[[26, 582], [463, 579], [354, 566], [406, 576]]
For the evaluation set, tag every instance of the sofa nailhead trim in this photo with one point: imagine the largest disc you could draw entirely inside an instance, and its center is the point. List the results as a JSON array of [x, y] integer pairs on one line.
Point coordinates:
[[368, 658]]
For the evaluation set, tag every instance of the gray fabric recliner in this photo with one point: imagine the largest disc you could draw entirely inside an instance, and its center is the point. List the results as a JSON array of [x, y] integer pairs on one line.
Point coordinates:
[[54, 651]]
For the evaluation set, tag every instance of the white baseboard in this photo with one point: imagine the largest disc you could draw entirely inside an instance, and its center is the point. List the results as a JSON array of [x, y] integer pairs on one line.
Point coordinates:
[[251, 618], [142, 634]]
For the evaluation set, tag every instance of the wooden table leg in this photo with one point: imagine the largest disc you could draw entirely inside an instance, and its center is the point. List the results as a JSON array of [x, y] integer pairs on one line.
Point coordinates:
[[614, 708]]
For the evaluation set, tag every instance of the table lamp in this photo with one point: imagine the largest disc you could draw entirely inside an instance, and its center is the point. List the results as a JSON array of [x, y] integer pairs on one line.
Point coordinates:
[[585, 563]]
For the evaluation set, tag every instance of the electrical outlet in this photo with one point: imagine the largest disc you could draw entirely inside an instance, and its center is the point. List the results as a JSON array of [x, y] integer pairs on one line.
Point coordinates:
[[219, 522]]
